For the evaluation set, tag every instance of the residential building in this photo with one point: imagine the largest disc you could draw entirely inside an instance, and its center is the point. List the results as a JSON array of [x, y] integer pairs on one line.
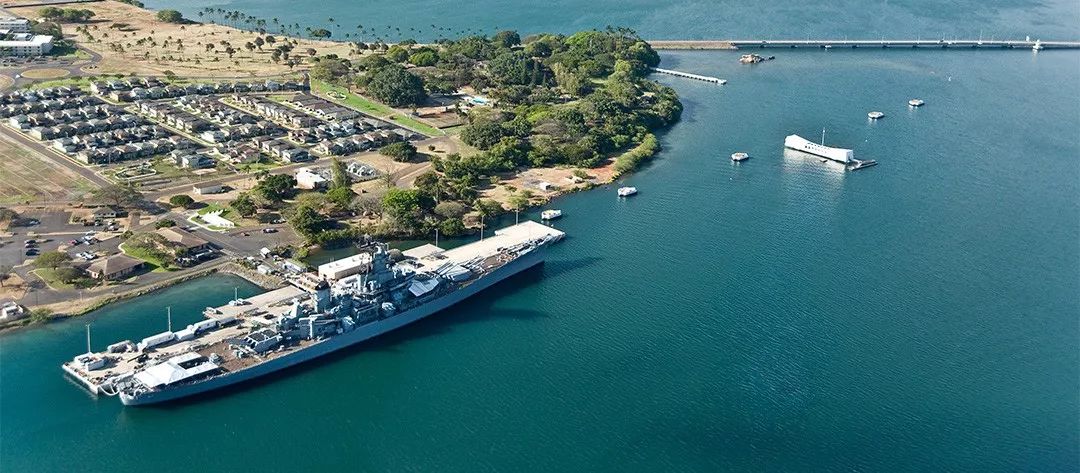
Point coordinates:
[[114, 267]]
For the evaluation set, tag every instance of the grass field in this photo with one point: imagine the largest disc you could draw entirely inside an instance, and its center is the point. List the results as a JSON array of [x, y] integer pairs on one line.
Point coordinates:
[[372, 108], [27, 177], [155, 263], [49, 276]]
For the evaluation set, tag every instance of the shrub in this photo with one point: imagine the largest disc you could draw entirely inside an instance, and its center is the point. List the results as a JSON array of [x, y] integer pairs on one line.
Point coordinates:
[[402, 151], [181, 200]]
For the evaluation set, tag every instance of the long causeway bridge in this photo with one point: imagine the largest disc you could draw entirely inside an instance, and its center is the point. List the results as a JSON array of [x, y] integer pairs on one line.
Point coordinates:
[[865, 43]]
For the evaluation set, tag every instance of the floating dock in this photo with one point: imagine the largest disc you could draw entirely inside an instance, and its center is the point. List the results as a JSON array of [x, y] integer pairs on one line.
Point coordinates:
[[687, 75]]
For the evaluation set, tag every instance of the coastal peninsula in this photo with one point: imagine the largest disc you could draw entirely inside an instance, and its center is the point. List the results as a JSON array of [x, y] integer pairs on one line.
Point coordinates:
[[305, 138]]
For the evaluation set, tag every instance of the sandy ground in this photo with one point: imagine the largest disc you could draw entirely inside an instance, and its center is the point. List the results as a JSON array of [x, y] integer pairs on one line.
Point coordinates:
[[27, 177], [562, 178], [47, 73], [150, 47]]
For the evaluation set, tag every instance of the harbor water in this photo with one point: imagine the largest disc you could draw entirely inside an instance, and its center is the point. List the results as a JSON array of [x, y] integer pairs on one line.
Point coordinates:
[[776, 314]]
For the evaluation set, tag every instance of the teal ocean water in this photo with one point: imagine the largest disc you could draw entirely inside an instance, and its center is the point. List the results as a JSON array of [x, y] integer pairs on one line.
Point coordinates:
[[689, 19], [780, 315]]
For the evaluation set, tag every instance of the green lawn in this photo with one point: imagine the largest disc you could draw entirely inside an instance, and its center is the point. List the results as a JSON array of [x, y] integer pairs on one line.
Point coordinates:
[[155, 262], [373, 108], [80, 82], [49, 276]]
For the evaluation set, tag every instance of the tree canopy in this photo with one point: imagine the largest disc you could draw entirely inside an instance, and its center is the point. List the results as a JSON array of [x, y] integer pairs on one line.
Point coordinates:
[[170, 16], [397, 87]]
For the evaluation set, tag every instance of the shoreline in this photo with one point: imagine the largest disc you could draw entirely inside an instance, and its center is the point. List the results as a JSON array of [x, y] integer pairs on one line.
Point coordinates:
[[226, 267]]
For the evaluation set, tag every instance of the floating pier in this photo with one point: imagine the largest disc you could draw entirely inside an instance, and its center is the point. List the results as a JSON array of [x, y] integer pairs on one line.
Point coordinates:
[[687, 75]]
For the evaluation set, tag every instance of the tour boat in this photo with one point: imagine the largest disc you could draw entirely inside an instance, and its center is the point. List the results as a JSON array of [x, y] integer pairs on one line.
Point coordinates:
[[737, 157], [915, 102], [627, 191], [551, 214], [875, 115]]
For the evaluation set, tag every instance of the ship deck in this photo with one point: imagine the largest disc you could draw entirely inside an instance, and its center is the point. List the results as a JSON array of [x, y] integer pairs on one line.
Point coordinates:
[[488, 247], [215, 340]]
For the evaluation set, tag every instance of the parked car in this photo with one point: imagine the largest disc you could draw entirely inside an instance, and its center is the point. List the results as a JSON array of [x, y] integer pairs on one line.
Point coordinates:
[[74, 242], [32, 252], [269, 230]]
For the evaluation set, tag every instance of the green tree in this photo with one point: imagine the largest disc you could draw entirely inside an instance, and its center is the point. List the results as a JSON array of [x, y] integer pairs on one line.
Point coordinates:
[[181, 200], [41, 315], [276, 187], [402, 151], [483, 134], [244, 205], [397, 53], [52, 260], [170, 16], [397, 87], [330, 69], [67, 274], [511, 68], [403, 206], [507, 39], [424, 58], [118, 195], [340, 175], [450, 209], [306, 221], [165, 223], [320, 33], [340, 197], [452, 227]]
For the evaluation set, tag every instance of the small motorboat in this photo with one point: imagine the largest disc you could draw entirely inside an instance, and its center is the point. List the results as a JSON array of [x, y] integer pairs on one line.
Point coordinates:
[[627, 191], [915, 102], [550, 214], [738, 157], [875, 115]]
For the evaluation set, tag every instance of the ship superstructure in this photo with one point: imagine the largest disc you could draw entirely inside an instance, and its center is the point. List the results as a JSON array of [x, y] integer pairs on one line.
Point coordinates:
[[311, 317]]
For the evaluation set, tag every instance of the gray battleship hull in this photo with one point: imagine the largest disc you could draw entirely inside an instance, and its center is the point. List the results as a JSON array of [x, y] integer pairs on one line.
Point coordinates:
[[338, 342]]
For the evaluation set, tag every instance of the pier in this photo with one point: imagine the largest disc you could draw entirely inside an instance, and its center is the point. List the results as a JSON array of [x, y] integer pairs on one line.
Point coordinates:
[[687, 75], [866, 43]]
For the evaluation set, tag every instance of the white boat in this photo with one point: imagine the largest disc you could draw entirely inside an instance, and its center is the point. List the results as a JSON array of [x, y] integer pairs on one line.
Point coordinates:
[[799, 143], [627, 191], [875, 115], [915, 102], [737, 157], [551, 214]]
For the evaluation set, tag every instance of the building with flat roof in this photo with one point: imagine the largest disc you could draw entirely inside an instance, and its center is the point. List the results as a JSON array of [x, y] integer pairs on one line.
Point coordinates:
[[25, 44], [14, 24]]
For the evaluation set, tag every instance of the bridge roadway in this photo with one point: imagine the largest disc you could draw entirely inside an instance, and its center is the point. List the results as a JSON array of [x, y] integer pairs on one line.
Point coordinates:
[[864, 43]]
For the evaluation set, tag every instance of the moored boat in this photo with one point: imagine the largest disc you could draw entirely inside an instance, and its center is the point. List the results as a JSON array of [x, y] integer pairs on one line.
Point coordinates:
[[916, 102], [738, 157], [626, 191], [875, 115], [551, 214]]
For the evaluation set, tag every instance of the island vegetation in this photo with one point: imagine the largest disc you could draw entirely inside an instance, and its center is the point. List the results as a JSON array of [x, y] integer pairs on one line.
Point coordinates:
[[578, 101]]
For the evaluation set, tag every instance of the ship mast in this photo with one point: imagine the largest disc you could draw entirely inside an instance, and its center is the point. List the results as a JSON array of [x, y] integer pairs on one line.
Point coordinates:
[[823, 137], [168, 313], [88, 351]]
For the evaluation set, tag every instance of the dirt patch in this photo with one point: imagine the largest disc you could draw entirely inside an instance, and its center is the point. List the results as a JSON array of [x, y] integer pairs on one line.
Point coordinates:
[[6, 82], [29, 177], [45, 73], [132, 41]]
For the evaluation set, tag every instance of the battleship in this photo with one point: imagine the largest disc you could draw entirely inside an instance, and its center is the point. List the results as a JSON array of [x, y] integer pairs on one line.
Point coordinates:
[[312, 316]]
